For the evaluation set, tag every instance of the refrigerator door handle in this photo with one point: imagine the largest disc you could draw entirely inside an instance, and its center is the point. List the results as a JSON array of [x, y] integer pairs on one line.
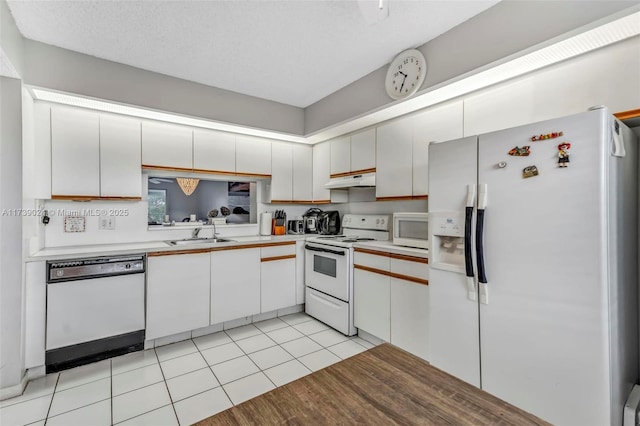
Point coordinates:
[[482, 276], [468, 261]]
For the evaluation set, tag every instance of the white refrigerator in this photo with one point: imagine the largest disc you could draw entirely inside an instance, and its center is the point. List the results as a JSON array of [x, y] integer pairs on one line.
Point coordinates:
[[534, 265]]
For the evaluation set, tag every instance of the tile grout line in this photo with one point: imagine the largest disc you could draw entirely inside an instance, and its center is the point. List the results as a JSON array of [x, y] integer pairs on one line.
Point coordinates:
[[214, 374], [167, 386], [260, 370], [111, 388], [52, 396]]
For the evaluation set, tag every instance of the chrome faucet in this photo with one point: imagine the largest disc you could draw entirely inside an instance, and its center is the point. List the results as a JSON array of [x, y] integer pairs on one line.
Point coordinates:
[[194, 233], [214, 230]]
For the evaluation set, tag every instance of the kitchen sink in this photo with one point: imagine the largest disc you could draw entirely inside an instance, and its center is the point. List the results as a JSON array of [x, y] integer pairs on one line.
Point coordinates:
[[187, 241]]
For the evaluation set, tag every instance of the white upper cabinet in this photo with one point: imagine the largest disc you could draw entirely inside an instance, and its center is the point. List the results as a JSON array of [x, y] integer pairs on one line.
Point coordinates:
[[363, 150], [253, 155], [75, 152], [282, 172], [394, 154], [340, 153], [120, 156], [321, 171], [167, 145], [214, 151], [435, 125], [302, 173]]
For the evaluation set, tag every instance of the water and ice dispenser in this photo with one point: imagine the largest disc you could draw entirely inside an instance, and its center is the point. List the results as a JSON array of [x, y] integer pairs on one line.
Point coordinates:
[[447, 241]]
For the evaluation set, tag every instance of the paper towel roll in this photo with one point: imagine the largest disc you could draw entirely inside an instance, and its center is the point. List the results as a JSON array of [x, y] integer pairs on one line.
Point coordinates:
[[265, 223]]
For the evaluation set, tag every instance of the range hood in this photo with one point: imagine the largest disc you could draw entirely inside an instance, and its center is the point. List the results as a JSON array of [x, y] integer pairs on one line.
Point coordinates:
[[364, 180]]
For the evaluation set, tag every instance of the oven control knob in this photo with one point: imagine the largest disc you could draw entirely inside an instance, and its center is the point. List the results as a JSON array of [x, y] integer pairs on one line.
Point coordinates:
[[377, 221], [59, 273]]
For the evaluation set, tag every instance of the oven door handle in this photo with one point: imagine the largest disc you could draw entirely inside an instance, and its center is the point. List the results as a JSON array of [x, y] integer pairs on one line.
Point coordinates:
[[324, 250]]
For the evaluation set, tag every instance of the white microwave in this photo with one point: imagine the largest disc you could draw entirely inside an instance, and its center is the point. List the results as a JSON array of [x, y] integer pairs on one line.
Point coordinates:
[[411, 229]]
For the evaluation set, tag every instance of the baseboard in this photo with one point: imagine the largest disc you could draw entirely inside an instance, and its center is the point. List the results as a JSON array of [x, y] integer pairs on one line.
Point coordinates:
[[15, 390]]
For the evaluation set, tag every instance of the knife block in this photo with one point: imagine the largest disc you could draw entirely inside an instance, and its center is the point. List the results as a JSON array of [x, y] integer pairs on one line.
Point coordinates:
[[277, 229]]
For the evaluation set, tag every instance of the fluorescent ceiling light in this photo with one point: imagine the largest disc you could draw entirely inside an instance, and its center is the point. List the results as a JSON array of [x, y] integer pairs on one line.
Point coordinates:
[[535, 58], [107, 106]]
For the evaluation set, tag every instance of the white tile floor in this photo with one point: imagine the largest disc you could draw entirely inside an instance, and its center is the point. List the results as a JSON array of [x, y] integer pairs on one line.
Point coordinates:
[[184, 382]]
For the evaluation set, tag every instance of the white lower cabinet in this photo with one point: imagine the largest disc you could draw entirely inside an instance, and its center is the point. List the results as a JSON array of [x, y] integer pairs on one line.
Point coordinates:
[[235, 284], [391, 299], [299, 272], [409, 304], [35, 305], [371, 308], [177, 293], [278, 277]]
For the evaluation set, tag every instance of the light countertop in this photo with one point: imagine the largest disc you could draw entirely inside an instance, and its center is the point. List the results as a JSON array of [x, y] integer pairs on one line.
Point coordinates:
[[389, 247], [69, 252]]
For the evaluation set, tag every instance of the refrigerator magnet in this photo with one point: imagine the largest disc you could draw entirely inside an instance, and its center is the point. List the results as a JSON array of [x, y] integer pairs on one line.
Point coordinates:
[[563, 154], [529, 171], [520, 152], [545, 137]]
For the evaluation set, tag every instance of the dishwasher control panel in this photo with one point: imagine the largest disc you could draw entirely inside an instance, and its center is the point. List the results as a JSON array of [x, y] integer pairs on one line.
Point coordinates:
[[97, 267]]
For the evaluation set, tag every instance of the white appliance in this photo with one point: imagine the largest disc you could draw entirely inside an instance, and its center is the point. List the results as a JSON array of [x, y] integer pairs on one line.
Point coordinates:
[[533, 281], [95, 309], [329, 269], [411, 230]]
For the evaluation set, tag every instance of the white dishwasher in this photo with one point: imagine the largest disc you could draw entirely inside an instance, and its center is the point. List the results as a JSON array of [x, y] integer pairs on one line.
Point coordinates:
[[95, 309]]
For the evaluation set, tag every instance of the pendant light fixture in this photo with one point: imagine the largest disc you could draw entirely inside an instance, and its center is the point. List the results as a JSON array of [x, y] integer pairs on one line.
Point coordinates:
[[188, 185]]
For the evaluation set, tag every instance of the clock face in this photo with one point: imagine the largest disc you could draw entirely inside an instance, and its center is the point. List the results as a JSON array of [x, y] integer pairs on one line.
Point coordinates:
[[406, 74]]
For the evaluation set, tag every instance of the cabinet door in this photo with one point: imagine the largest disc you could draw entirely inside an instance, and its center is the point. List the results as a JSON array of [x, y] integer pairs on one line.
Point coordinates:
[[394, 156], [214, 151], [409, 311], [321, 171], [235, 284], [75, 152], [363, 150], [435, 125], [278, 284], [177, 293], [35, 306], [282, 172], [120, 157], [340, 153], [299, 272], [167, 145], [253, 155], [302, 173], [371, 303]]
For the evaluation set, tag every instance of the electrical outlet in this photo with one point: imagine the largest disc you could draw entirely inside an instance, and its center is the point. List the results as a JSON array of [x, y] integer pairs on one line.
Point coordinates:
[[108, 223]]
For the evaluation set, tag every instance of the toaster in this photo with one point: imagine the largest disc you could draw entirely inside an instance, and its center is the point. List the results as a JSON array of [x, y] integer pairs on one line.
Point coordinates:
[[295, 227]]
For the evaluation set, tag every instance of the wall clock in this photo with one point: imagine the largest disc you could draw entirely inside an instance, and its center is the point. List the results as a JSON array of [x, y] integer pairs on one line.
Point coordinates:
[[405, 74]]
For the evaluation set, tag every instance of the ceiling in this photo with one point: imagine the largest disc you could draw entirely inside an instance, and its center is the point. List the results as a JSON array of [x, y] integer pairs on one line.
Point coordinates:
[[289, 51]]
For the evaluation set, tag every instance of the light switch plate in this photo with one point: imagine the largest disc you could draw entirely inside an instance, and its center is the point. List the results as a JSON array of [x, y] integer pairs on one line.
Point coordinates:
[[107, 223]]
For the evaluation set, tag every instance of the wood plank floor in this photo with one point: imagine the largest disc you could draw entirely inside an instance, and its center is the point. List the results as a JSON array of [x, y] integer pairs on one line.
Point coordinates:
[[382, 386]]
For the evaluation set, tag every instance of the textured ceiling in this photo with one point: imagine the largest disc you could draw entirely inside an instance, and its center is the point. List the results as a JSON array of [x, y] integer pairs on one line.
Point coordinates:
[[293, 52]]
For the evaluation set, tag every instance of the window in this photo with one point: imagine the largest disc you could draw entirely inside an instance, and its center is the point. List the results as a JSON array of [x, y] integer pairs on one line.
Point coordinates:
[[157, 206]]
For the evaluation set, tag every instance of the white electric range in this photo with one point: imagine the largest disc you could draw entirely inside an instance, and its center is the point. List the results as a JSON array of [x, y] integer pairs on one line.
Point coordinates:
[[329, 269]]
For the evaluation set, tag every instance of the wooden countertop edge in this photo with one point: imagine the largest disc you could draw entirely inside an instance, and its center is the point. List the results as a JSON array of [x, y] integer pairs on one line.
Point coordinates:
[[626, 115], [393, 255], [271, 259], [211, 249], [353, 173], [92, 198], [392, 274]]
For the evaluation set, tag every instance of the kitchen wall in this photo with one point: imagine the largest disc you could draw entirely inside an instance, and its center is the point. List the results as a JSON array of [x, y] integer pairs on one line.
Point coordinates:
[[490, 36], [11, 44], [502, 30], [11, 266]]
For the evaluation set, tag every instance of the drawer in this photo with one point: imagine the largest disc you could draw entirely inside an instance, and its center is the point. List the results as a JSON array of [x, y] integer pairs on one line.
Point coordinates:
[[275, 251], [327, 309], [372, 261], [410, 268]]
